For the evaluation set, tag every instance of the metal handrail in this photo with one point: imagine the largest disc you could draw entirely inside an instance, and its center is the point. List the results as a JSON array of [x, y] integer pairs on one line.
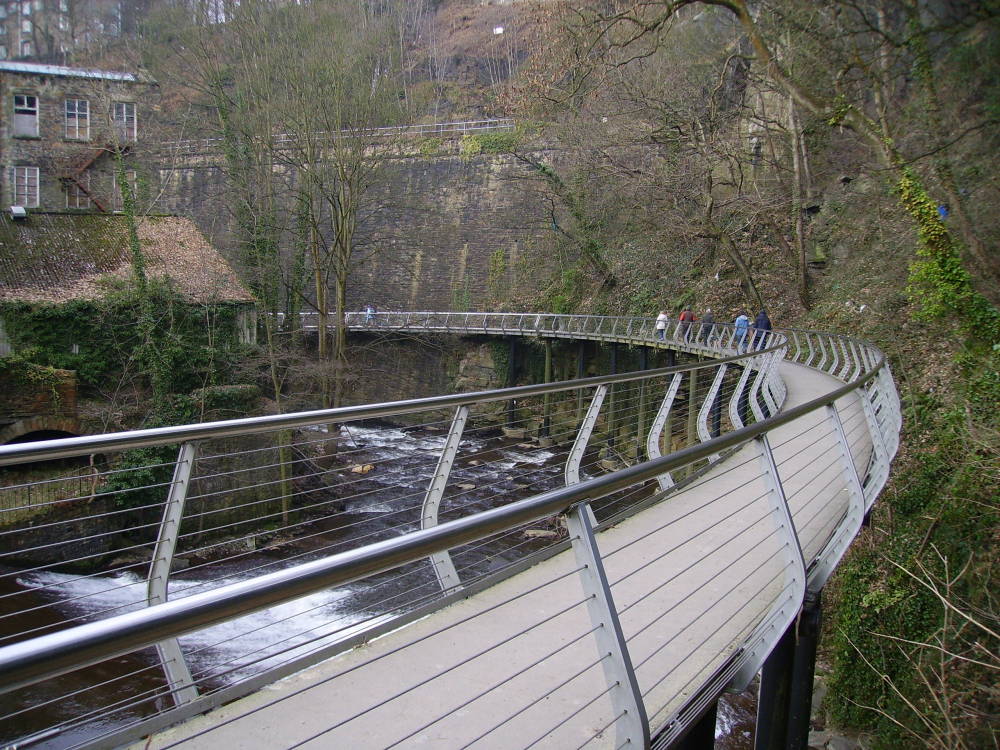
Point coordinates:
[[51, 655], [760, 387], [88, 444]]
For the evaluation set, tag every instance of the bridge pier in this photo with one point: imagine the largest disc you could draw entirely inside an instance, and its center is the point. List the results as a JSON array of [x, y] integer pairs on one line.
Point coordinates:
[[546, 399], [809, 627], [511, 380], [612, 428], [784, 702]]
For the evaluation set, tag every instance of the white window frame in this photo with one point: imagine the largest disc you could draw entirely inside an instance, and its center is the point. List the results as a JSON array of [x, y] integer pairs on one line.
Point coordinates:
[[25, 25], [3, 51], [27, 48], [24, 184], [76, 113], [28, 106], [123, 115], [75, 197]]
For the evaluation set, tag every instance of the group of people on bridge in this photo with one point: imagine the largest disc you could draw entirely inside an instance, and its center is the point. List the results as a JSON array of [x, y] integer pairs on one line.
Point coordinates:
[[746, 333]]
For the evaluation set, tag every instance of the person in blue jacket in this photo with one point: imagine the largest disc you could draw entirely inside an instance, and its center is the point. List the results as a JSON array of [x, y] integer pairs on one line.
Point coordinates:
[[741, 325]]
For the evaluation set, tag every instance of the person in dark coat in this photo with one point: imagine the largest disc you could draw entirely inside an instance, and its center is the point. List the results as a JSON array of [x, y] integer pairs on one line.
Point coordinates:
[[761, 325], [707, 325]]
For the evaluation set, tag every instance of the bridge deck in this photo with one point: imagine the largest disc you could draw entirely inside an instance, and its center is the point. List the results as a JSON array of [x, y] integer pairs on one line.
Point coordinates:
[[420, 685]]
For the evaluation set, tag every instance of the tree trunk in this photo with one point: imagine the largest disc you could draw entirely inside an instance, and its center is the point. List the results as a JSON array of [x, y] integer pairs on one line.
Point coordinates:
[[800, 241]]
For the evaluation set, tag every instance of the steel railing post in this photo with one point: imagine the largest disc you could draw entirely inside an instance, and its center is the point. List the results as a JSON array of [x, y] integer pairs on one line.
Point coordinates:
[[737, 412], [880, 458], [665, 480], [842, 372], [848, 528], [442, 563], [704, 434], [575, 458], [760, 364], [787, 607], [770, 375], [856, 358], [631, 724], [812, 352], [182, 686]]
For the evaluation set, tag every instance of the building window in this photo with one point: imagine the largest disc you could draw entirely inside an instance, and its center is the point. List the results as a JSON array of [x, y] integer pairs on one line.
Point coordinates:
[[26, 49], [24, 186], [3, 11], [63, 23], [124, 120], [26, 8], [64, 6], [26, 25], [3, 51], [77, 191], [117, 199], [78, 119], [25, 115]]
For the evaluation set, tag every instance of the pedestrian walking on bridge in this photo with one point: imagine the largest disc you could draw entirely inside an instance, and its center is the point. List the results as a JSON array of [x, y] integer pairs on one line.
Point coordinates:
[[661, 325]]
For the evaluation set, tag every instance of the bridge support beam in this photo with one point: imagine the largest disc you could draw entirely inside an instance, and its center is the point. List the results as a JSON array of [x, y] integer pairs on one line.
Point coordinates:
[[784, 702], [640, 429], [511, 378], [547, 399], [612, 424], [774, 696], [804, 670]]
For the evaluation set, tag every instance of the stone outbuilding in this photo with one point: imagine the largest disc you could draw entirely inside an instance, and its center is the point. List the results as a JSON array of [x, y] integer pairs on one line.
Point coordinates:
[[52, 259]]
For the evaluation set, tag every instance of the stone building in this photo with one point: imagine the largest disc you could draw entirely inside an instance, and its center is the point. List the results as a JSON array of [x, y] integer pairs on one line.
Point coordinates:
[[54, 258], [60, 129], [50, 29]]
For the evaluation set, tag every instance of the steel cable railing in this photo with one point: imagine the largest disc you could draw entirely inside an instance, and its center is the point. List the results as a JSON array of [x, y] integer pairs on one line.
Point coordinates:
[[290, 485]]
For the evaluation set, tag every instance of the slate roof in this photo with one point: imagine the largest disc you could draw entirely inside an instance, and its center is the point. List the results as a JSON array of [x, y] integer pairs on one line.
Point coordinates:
[[53, 257], [62, 70]]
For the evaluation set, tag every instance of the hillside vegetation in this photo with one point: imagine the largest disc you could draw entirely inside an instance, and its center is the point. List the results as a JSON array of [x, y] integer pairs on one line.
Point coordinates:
[[836, 164]]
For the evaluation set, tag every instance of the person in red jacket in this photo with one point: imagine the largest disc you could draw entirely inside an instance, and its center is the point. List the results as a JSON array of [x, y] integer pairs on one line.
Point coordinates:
[[687, 318]]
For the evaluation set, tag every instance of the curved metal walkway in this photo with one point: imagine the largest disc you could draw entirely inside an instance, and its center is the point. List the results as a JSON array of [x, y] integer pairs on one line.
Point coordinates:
[[701, 559]]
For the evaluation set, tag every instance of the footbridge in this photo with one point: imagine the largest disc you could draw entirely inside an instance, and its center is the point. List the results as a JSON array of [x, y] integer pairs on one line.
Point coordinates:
[[586, 563]]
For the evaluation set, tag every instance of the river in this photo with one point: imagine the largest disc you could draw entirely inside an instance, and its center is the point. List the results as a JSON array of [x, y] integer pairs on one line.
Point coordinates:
[[490, 467]]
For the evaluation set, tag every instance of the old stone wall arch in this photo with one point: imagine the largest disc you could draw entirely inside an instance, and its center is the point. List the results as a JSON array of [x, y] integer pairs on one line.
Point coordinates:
[[43, 424]]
